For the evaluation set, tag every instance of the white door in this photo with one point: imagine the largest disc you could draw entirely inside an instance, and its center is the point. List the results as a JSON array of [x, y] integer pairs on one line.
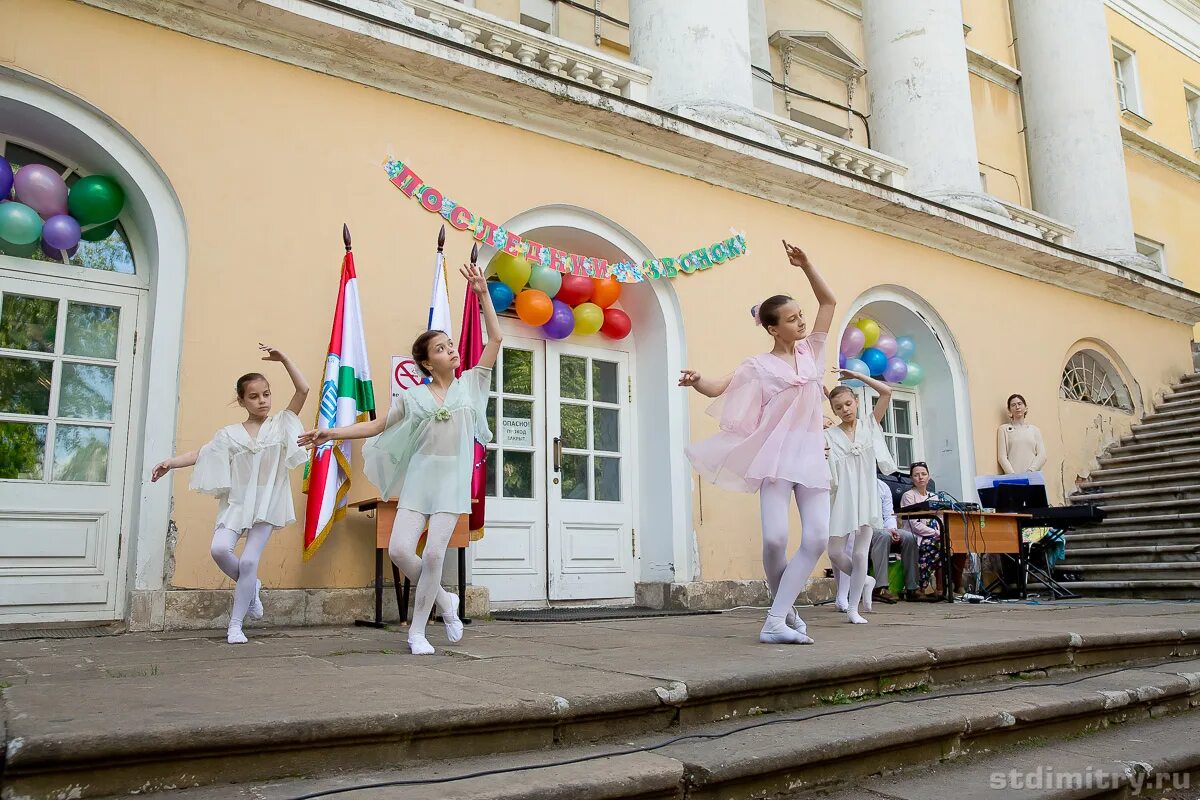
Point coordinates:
[[591, 546], [511, 558], [901, 425], [66, 372]]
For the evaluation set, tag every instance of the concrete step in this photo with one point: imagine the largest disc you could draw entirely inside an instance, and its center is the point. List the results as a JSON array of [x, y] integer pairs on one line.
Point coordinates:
[[141, 715], [1178, 404], [1147, 490], [1147, 515], [1151, 458], [1160, 414], [782, 753], [1101, 537], [1134, 571], [1188, 422], [1145, 554], [1105, 480], [1140, 759], [1154, 445], [1140, 589]]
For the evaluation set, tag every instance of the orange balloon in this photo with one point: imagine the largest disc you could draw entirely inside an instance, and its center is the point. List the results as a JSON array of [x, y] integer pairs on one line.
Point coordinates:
[[606, 291], [534, 307]]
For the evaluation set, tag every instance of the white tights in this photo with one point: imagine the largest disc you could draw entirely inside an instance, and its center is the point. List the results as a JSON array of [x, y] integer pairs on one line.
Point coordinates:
[[425, 571], [788, 579], [242, 570], [855, 566]]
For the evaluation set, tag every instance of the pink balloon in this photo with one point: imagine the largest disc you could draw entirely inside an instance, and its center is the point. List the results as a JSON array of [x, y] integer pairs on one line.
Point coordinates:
[[42, 189], [887, 343], [896, 369], [852, 342]]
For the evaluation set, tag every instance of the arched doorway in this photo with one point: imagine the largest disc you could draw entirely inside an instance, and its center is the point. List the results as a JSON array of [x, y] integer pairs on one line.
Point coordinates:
[[80, 530], [937, 412], [590, 491]]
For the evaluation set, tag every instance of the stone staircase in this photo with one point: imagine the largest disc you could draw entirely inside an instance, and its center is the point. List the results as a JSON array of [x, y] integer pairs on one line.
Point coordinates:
[[1149, 483]]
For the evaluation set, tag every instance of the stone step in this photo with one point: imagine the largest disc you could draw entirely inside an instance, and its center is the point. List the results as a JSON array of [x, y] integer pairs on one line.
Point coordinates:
[[1134, 571], [781, 754], [1169, 414], [1178, 405], [1189, 422], [1139, 589], [1100, 537], [1136, 476], [81, 736], [1121, 492], [1132, 554], [1157, 512], [1154, 446], [1140, 759], [1151, 458]]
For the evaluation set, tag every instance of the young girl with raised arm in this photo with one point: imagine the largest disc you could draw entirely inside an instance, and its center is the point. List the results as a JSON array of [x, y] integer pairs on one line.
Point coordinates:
[[856, 450], [770, 442], [422, 454], [245, 467]]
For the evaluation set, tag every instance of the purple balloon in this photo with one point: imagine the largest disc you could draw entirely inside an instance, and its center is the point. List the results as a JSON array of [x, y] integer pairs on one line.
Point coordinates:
[[56, 254], [896, 369], [6, 178], [562, 321], [852, 341], [61, 232], [42, 189], [887, 343], [841, 360]]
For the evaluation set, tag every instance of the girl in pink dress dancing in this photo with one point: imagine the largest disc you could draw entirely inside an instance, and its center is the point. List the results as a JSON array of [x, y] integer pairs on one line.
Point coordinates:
[[771, 442]]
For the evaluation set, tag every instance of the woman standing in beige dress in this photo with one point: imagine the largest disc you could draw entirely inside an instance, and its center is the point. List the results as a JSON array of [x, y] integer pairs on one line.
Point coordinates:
[[1019, 445]]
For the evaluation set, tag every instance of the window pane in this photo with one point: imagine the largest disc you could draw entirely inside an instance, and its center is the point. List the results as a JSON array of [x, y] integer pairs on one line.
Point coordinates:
[[516, 428], [28, 323], [572, 378], [575, 477], [607, 431], [518, 474], [81, 454], [904, 452], [86, 392], [25, 386], [491, 416], [19, 156], [490, 484], [902, 411], [92, 330], [111, 254], [604, 382], [608, 479], [22, 450], [574, 426], [518, 372]]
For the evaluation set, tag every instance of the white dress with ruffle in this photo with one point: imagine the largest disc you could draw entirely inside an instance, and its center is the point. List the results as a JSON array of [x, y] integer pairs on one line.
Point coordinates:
[[249, 475]]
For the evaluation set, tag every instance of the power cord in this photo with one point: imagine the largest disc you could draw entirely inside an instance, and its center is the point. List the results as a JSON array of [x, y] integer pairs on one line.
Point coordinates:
[[715, 736]]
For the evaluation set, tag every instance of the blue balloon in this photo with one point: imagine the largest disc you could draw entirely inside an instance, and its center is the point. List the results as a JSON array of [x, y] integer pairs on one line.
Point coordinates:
[[905, 347], [856, 365], [6, 178], [876, 360], [502, 295]]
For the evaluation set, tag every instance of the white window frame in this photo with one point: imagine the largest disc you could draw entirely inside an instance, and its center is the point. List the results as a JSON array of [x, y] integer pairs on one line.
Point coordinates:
[[1093, 373], [1125, 73], [1155, 251], [866, 399], [1191, 97]]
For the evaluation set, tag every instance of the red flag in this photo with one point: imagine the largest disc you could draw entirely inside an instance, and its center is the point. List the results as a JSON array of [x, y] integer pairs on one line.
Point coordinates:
[[470, 348]]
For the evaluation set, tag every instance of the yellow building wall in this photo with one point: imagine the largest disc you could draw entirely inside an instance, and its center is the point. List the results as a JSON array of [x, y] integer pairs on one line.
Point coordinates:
[[1164, 203], [268, 160], [991, 29], [1000, 141]]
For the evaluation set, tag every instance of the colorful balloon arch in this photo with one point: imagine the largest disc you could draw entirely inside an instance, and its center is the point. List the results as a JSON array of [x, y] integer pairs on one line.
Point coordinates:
[[559, 304], [37, 207], [868, 348]]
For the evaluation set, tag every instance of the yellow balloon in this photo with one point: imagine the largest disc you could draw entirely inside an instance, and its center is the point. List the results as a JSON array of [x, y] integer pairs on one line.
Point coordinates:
[[589, 318], [870, 329], [513, 271]]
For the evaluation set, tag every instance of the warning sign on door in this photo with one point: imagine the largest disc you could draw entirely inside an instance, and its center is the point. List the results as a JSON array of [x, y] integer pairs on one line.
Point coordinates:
[[517, 432]]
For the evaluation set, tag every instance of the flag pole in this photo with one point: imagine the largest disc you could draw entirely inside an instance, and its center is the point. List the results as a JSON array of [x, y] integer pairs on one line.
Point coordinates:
[[346, 241]]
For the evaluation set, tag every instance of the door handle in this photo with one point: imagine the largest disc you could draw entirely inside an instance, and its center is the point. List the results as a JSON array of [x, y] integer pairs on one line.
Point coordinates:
[[557, 454]]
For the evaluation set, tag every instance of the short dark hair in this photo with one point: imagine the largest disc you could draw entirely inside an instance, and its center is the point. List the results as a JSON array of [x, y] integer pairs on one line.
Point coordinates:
[[248, 378], [841, 388], [1012, 397], [767, 312], [420, 350]]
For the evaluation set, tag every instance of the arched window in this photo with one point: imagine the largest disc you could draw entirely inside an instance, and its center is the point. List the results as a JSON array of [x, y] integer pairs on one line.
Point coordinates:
[[112, 254], [1089, 377]]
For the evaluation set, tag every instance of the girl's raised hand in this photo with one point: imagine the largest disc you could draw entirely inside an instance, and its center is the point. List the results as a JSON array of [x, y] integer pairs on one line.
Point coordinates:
[[160, 469], [847, 375], [272, 354], [314, 438], [796, 255], [474, 278], [688, 377]]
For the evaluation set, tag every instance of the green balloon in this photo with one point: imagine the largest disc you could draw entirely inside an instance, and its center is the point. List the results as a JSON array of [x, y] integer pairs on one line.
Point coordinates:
[[19, 224], [99, 233], [19, 250], [95, 199]]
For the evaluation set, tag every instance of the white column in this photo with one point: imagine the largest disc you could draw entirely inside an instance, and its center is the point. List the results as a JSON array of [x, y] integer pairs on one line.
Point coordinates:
[[760, 57], [1072, 132], [699, 54], [921, 98]]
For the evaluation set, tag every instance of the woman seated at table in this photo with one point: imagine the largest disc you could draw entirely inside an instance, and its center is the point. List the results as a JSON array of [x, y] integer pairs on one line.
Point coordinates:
[[1019, 445], [929, 535]]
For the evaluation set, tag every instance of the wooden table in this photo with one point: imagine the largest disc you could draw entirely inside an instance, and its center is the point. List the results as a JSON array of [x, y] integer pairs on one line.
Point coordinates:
[[974, 532], [385, 515]]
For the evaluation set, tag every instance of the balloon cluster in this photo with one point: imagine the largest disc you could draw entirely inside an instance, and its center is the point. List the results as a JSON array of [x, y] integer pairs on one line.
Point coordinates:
[[867, 349], [46, 212], [559, 304]]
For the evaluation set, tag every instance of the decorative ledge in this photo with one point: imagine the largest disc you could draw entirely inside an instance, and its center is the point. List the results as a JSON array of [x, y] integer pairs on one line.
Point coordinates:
[[531, 48], [838, 153], [1144, 145], [988, 68], [1051, 230], [1131, 116]]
